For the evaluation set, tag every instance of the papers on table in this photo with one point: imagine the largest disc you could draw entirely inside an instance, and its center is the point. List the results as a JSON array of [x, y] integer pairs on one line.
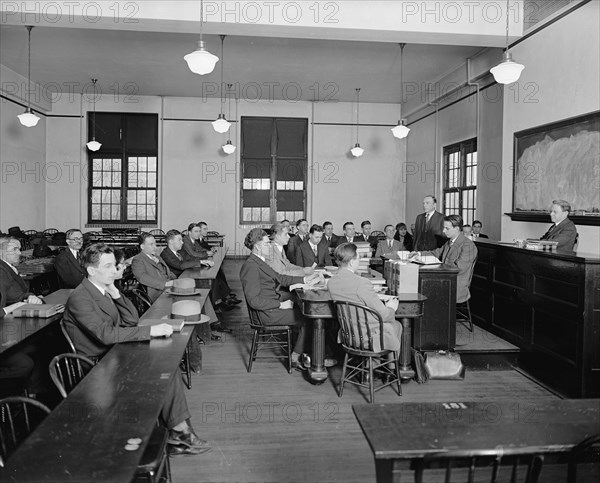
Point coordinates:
[[427, 260], [306, 286]]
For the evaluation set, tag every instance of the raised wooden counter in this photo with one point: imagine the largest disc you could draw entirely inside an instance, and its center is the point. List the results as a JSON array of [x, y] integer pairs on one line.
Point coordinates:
[[546, 303]]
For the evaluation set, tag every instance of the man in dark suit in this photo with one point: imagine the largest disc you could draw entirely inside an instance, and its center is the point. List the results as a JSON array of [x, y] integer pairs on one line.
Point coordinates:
[[459, 252], [150, 270], [262, 289], [296, 241], [477, 225], [429, 227], [329, 238], [97, 316], [12, 285], [350, 235], [312, 253], [563, 230], [176, 259], [67, 266], [366, 233]]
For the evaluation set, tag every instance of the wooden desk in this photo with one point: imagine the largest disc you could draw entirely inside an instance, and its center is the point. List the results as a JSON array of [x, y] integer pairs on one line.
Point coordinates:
[[84, 438], [400, 433], [205, 275]]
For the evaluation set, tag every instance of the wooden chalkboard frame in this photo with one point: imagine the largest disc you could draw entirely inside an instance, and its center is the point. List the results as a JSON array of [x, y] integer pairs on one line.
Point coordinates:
[[573, 125]]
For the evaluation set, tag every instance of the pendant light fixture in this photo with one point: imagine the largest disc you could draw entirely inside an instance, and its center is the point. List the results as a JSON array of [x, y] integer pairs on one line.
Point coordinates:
[[229, 147], [357, 151], [221, 125], [401, 130], [507, 71], [28, 118], [94, 145], [201, 61]]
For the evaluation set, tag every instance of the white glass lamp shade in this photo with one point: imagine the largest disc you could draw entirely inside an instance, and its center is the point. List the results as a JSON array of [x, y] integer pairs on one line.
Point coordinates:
[[221, 125], [228, 147], [400, 131], [94, 145], [507, 71], [201, 61], [28, 118], [357, 151]]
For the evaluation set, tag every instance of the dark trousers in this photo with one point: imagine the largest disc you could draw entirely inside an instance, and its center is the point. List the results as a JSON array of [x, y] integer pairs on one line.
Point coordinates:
[[15, 369], [175, 408]]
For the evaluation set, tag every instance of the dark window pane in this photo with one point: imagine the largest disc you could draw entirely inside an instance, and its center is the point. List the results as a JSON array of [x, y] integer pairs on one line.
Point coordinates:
[[254, 198], [290, 200], [257, 134], [291, 169], [256, 168], [141, 132], [291, 137]]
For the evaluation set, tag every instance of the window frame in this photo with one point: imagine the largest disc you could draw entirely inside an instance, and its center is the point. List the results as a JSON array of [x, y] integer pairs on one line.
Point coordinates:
[[463, 148]]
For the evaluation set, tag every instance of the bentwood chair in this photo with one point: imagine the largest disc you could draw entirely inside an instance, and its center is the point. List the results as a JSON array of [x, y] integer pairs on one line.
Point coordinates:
[[19, 416], [48, 232], [156, 231], [63, 329], [463, 309], [584, 456], [361, 361], [481, 465], [379, 234], [278, 337], [67, 370]]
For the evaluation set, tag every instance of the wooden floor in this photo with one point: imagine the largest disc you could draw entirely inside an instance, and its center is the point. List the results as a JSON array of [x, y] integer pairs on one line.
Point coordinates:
[[270, 426]]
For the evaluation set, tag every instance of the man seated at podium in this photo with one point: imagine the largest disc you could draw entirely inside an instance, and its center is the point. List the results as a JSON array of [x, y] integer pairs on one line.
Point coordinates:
[[563, 230], [346, 286], [459, 252]]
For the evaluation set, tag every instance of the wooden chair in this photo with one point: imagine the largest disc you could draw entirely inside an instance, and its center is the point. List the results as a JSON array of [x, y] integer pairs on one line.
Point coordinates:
[[481, 465], [156, 231], [361, 359], [19, 416], [269, 337], [67, 370], [213, 233], [463, 309], [49, 232], [63, 329], [31, 233], [379, 234], [587, 451]]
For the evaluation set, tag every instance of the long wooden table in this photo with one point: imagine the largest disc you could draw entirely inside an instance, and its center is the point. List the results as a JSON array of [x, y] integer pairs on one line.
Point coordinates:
[[206, 274], [84, 438], [401, 433]]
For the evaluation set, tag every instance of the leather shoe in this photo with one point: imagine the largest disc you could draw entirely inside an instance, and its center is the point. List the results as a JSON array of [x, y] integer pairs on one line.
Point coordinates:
[[233, 300], [298, 366], [186, 438], [231, 303], [183, 450], [220, 328], [329, 362], [225, 307]]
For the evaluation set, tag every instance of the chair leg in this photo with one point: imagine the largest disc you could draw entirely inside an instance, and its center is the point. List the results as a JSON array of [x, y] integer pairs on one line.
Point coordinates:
[[371, 382], [187, 372], [341, 389], [289, 349], [470, 318], [253, 350], [397, 368]]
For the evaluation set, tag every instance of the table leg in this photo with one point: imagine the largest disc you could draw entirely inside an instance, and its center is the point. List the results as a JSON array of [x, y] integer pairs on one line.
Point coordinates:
[[406, 370], [384, 470], [317, 371]]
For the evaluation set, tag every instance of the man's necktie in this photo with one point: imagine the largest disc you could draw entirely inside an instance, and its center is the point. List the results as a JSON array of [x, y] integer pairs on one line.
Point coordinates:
[[390, 243], [547, 234], [180, 257], [314, 249]]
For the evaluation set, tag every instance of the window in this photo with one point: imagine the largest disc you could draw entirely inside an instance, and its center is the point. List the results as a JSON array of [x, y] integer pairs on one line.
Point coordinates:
[[123, 174], [274, 164], [460, 180]]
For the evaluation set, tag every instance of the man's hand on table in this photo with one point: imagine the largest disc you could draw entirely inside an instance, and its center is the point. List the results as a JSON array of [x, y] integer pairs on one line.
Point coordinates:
[[161, 330], [32, 299], [392, 303], [314, 279]]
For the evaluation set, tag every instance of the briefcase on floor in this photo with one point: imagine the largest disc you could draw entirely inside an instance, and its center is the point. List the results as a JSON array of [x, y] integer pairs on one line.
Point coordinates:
[[444, 365]]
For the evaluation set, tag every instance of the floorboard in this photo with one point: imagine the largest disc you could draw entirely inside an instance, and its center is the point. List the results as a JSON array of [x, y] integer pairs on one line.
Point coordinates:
[[270, 426]]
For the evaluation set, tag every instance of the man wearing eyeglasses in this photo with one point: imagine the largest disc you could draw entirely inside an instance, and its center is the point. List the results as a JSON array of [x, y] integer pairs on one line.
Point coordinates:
[[67, 266], [12, 285]]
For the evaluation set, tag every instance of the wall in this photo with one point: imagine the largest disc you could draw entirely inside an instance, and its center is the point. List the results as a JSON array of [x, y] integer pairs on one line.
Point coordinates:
[[456, 123], [562, 62], [23, 171]]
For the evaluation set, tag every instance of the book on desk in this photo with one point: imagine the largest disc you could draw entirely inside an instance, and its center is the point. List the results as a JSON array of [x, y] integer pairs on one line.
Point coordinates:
[[42, 311]]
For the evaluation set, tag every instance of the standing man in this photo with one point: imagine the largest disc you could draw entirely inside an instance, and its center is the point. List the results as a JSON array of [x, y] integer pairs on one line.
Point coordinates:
[[312, 253], [563, 230], [477, 230], [350, 235], [12, 285], [150, 270], [429, 226], [366, 233], [296, 241], [67, 263]]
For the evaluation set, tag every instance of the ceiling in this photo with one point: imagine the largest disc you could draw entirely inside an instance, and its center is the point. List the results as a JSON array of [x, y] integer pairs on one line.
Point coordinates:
[[151, 64]]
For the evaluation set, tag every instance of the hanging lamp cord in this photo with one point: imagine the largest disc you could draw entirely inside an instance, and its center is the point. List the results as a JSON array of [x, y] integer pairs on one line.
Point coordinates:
[[29, 28], [357, 112]]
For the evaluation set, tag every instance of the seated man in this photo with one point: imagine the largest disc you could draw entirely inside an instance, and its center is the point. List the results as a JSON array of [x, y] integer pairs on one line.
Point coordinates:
[[459, 252], [97, 316], [350, 235], [262, 289], [389, 245], [345, 285], [150, 270], [312, 253], [468, 231], [477, 230], [329, 238], [366, 233], [563, 230], [176, 259], [67, 266], [296, 241], [11, 284], [405, 238], [277, 259]]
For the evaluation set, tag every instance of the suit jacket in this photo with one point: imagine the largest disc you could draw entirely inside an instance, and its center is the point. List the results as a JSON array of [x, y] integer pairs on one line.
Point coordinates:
[[383, 247], [429, 235], [462, 255], [565, 234], [12, 285], [408, 241], [373, 241], [94, 323], [151, 274], [481, 235], [292, 248], [306, 257], [176, 265], [262, 289], [349, 287], [194, 249], [69, 270], [204, 244], [279, 262], [343, 239]]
